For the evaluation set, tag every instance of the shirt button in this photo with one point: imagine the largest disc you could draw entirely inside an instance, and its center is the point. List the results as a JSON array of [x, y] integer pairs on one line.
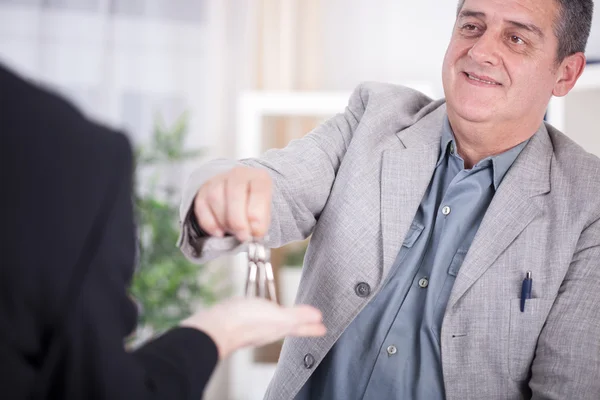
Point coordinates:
[[446, 210], [451, 147], [391, 350], [362, 289], [423, 282], [309, 361]]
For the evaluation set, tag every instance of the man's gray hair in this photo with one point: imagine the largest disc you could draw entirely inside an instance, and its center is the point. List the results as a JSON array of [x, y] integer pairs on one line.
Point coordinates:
[[572, 27]]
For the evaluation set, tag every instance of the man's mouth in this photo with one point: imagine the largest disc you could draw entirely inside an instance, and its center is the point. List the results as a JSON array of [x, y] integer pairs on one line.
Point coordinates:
[[482, 79]]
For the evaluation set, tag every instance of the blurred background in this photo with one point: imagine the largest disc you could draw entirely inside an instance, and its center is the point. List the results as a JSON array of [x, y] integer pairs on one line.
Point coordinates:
[[191, 80]]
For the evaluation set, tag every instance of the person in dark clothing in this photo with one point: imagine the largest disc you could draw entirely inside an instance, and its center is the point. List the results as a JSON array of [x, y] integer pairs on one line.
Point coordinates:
[[68, 249]]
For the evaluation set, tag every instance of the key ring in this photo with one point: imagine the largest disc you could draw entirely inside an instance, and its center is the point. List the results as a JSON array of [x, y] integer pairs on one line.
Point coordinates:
[[260, 281]]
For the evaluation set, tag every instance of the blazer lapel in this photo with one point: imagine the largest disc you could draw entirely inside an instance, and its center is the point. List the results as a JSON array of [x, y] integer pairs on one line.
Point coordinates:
[[405, 176], [513, 207]]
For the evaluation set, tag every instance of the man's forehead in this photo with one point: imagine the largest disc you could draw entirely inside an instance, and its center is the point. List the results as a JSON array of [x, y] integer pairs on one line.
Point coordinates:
[[539, 13]]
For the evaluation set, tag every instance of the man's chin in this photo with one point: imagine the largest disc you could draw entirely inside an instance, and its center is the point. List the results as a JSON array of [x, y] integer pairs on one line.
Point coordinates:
[[473, 106], [475, 113]]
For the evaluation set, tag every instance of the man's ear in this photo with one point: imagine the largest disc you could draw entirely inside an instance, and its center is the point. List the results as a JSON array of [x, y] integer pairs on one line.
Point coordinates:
[[569, 71]]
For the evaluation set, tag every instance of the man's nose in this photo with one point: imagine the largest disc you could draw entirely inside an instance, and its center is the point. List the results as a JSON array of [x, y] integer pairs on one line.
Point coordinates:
[[485, 51]]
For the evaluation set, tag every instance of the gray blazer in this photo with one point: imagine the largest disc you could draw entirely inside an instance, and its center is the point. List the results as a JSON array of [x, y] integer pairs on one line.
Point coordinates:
[[355, 183]]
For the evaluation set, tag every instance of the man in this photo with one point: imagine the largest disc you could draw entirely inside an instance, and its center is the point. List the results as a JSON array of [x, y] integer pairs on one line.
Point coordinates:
[[455, 247], [67, 260]]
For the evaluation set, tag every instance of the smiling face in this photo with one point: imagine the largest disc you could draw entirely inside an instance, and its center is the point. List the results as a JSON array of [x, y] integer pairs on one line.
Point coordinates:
[[500, 66]]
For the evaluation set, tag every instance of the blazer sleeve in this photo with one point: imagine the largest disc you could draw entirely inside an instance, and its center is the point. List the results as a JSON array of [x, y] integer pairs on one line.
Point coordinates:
[[95, 363], [303, 174], [567, 359]]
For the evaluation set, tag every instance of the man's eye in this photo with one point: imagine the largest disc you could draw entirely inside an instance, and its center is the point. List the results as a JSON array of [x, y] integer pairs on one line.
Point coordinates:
[[469, 27], [516, 40]]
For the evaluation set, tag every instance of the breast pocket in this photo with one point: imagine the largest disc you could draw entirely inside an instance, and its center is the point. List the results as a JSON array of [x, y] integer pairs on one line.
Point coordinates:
[[410, 239], [413, 234], [525, 329], [444, 295]]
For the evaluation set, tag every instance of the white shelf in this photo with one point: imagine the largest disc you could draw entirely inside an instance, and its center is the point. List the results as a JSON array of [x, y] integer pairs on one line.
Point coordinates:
[[254, 106]]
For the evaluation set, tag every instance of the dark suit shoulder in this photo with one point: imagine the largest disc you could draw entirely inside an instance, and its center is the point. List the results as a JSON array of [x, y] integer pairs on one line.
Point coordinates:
[[61, 170], [44, 121]]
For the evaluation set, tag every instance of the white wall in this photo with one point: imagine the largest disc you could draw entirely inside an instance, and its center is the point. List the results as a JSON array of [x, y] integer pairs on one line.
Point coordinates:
[[593, 49], [118, 67], [393, 40], [385, 40]]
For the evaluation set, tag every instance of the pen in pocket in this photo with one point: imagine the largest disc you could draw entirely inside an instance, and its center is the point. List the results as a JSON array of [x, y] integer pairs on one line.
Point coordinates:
[[526, 289]]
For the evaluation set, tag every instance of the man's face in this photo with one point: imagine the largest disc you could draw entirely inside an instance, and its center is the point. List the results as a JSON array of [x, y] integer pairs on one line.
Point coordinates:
[[500, 65]]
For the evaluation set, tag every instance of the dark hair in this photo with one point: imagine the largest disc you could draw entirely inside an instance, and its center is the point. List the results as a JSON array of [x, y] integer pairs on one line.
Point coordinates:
[[572, 27]]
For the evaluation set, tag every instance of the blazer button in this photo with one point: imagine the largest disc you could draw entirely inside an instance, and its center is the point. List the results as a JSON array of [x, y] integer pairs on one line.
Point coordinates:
[[309, 361], [362, 289]]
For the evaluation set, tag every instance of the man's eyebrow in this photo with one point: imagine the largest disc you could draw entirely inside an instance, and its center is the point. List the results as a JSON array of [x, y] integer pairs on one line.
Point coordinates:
[[465, 13], [469, 13], [528, 27]]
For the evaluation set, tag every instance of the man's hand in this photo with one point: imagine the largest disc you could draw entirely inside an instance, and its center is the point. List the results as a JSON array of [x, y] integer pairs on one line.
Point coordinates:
[[237, 202], [241, 322]]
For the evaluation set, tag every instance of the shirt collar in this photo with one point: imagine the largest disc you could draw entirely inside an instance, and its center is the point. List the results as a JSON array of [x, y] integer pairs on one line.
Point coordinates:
[[447, 144], [501, 163]]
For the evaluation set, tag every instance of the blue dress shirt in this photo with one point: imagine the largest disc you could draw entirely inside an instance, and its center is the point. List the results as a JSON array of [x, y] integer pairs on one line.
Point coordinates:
[[392, 348]]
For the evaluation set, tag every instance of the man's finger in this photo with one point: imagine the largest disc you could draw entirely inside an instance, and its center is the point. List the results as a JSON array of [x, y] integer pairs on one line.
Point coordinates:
[[259, 204], [236, 193], [306, 314], [316, 329], [216, 200], [206, 219]]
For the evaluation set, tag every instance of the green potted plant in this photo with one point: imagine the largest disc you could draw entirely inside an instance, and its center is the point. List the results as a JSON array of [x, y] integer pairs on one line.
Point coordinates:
[[166, 285]]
